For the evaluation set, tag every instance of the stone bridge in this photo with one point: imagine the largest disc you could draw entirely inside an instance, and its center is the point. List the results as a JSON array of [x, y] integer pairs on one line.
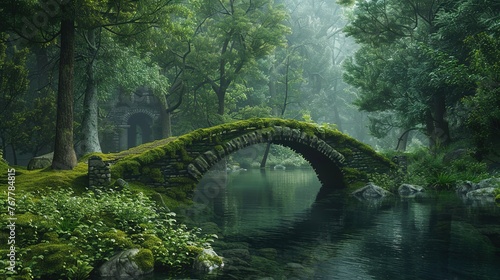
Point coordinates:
[[181, 162]]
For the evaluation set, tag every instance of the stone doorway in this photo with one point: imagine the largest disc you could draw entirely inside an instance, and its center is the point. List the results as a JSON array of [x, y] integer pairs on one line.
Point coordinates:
[[139, 130]]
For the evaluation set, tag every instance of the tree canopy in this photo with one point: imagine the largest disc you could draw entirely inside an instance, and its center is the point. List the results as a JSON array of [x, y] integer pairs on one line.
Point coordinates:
[[423, 65]]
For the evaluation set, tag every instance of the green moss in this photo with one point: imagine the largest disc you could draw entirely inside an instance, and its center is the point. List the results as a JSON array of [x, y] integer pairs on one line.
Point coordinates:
[[219, 148], [180, 165], [50, 259], [346, 152], [353, 175], [33, 227], [118, 239], [46, 179], [144, 259], [151, 241], [152, 175]]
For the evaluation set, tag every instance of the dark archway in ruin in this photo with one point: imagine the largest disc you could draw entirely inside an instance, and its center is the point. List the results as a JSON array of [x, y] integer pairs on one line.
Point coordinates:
[[140, 129]]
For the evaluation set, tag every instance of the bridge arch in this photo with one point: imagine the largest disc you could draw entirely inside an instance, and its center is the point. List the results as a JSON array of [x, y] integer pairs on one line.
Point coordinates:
[[324, 159], [182, 162]]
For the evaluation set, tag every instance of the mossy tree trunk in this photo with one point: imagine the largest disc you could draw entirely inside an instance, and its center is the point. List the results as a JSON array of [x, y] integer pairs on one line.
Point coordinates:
[[90, 128]]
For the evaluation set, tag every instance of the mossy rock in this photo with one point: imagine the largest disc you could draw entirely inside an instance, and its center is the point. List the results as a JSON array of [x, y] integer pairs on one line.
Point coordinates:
[[144, 260]]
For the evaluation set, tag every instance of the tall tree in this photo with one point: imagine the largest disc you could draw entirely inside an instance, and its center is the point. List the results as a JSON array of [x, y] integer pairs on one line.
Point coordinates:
[[62, 20], [13, 86], [392, 67], [231, 36]]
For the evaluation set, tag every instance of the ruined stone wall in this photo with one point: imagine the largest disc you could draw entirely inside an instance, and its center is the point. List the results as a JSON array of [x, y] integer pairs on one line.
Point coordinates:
[[99, 172]]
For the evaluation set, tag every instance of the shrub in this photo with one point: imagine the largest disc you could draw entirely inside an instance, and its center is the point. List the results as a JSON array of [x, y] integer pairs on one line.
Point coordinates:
[[81, 232], [430, 169]]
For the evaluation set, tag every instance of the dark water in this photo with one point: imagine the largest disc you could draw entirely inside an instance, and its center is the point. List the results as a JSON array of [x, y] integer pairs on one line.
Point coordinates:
[[273, 226]]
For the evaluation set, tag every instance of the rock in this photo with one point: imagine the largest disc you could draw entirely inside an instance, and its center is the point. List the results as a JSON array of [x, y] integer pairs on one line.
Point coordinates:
[[489, 183], [40, 162], [207, 261], [409, 190], [371, 191], [121, 184], [124, 266], [482, 194], [465, 187]]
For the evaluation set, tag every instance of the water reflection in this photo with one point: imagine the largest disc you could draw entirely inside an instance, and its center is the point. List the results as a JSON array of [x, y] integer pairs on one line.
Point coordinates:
[[274, 226]]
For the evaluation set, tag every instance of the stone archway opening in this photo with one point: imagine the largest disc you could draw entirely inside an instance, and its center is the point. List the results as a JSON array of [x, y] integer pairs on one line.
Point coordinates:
[[139, 129]]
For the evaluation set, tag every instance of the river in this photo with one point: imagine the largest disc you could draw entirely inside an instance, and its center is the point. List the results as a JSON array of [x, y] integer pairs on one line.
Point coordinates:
[[272, 226]]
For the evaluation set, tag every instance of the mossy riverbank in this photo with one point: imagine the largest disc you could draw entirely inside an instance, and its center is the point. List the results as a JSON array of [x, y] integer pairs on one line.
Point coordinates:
[[63, 230]]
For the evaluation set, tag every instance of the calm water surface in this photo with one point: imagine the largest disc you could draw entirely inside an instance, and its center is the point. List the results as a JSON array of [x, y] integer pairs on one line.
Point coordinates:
[[273, 226]]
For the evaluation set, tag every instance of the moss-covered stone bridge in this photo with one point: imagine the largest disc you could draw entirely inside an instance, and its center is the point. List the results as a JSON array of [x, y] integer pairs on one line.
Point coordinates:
[[181, 162]]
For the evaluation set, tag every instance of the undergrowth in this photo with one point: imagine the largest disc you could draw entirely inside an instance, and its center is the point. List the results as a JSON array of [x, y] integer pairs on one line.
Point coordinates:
[[434, 170], [65, 235]]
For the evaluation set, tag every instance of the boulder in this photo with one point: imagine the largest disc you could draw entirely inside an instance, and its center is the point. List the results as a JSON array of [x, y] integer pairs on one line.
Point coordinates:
[[410, 190], [465, 187], [371, 191], [489, 183], [207, 261], [40, 162], [124, 265], [121, 184], [482, 194]]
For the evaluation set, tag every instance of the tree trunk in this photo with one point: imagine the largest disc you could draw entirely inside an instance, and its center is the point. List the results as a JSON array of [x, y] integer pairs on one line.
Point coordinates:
[[442, 130], [14, 154], [166, 122], [64, 152], [429, 128], [436, 125], [403, 141], [90, 128], [220, 97], [266, 153]]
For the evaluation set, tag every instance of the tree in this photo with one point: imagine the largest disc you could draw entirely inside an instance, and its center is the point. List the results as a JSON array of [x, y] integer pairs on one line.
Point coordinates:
[[63, 20], [398, 67], [231, 36], [13, 86]]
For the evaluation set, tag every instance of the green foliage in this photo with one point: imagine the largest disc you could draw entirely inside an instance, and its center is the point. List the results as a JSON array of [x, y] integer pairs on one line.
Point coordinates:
[[428, 169], [417, 64], [484, 112], [386, 181], [352, 176], [13, 86], [70, 234]]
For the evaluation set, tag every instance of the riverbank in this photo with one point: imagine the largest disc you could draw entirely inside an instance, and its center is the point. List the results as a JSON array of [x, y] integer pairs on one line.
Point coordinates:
[[64, 230]]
